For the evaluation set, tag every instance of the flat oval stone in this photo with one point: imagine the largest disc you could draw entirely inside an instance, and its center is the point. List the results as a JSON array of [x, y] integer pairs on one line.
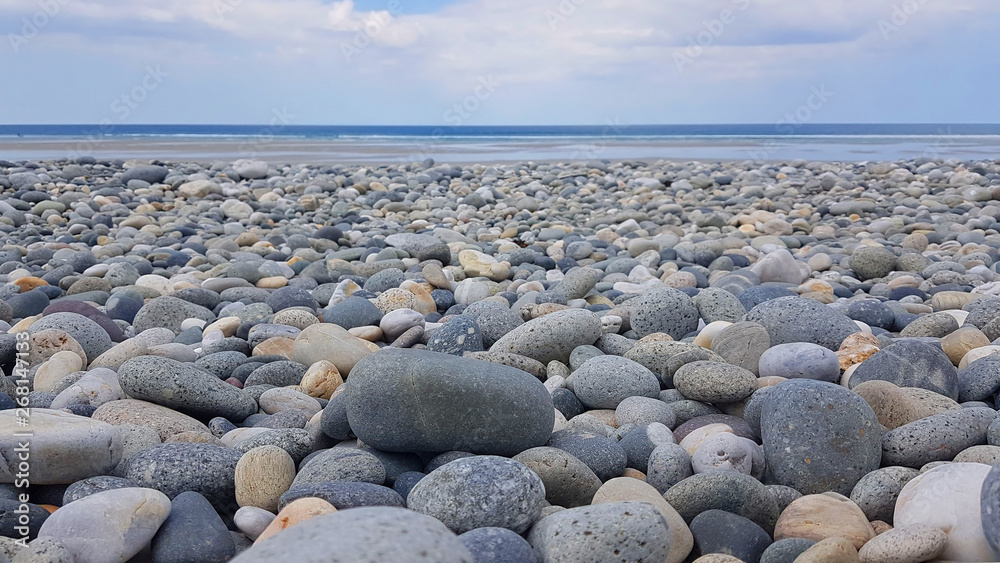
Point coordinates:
[[714, 382], [727, 490], [800, 360], [175, 468], [129, 518], [64, 448], [403, 401], [918, 542], [794, 319], [480, 491], [818, 517], [718, 531], [553, 336], [363, 535], [183, 387], [819, 436], [910, 363], [332, 343], [936, 438]]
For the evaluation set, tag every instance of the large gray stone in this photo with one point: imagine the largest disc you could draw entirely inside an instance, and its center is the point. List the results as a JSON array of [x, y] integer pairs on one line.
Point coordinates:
[[363, 535], [605, 381], [819, 437], [419, 401], [663, 310], [910, 363]]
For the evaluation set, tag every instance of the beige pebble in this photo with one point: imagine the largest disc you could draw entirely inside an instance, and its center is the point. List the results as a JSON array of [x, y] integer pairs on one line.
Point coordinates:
[[827, 515], [896, 406], [321, 379], [830, 550], [909, 544], [297, 511], [263, 474]]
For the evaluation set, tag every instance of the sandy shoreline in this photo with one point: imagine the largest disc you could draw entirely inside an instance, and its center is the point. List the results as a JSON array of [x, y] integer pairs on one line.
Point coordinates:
[[466, 150]]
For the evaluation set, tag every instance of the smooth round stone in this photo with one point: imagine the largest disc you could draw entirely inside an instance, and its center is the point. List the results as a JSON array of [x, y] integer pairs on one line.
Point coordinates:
[[403, 401], [341, 464], [193, 532], [725, 490], [457, 336], [936, 438], [786, 550], [934, 325], [947, 497], [910, 363], [396, 322], [605, 381], [128, 519], [262, 475], [742, 344], [480, 491], [94, 339], [668, 465], [64, 448], [876, 493], [252, 521], [281, 399], [603, 455], [818, 517], [979, 380], [716, 304], [27, 304], [644, 410], [726, 452], [495, 320], [794, 319], [735, 423], [626, 489], [664, 310], [871, 312], [640, 442], [551, 337], [990, 508], [714, 382], [321, 380], [718, 531], [830, 550], [468, 292], [918, 542], [617, 531], [872, 262], [295, 513], [175, 468], [819, 436], [94, 485], [897, 406], [169, 312], [353, 312], [183, 387], [578, 282], [88, 311], [363, 535], [568, 481], [800, 360], [345, 494], [498, 545], [332, 343]]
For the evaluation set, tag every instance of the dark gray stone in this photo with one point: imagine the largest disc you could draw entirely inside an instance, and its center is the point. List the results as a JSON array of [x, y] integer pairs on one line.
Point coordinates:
[[498, 545], [910, 363], [876, 493], [457, 336], [340, 464], [405, 401], [937, 437], [718, 531], [725, 490], [603, 455], [169, 312], [183, 387], [795, 319], [178, 467], [192, 532], [615, 531], [568, 481]]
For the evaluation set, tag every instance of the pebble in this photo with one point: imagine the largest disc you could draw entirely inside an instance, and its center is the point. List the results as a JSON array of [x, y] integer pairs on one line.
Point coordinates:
[[129, 519], [568, 481], [718, 531], [909, 544], [622, 531], [64, 447], [603, 382], [480, 491], [714, 382], [193, 531], [262, 475], [551, 337], [182, 386], [827, 515], [800, 360], [939, 437], [497, 545]]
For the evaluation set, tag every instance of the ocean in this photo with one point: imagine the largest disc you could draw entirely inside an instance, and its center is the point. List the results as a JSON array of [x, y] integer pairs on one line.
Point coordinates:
[[282, 142]]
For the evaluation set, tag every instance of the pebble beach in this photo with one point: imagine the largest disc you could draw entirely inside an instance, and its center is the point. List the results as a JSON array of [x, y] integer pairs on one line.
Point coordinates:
[[539, 362]]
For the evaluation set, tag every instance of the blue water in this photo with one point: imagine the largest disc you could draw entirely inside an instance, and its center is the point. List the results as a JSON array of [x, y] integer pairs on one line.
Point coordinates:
[[281, 143], [507, 131]]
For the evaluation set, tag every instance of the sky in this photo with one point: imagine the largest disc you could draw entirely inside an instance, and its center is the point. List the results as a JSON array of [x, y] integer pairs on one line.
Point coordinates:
[[499, 62]]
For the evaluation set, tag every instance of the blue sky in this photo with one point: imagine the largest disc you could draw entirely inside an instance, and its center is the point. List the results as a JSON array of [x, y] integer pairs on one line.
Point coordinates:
[[475, 62]]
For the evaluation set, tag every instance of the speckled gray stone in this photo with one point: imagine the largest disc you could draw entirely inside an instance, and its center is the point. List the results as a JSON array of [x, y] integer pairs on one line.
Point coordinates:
[[363, 535], [795, 319], [786, 550], [872, 262], [341, 464], [578, 282], [498, 545], [726, 490], [602, 455], [480, 491], [668, 465], [615, 531], [910, 363], [937, 437], [716, 304], [876, 493], [175, 468], [714, 382], [169, 312], [742, 344], [568, 481], [819, 437], [183, 387], [553, 336], [458, 335], [663, 310], [603, 382]]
